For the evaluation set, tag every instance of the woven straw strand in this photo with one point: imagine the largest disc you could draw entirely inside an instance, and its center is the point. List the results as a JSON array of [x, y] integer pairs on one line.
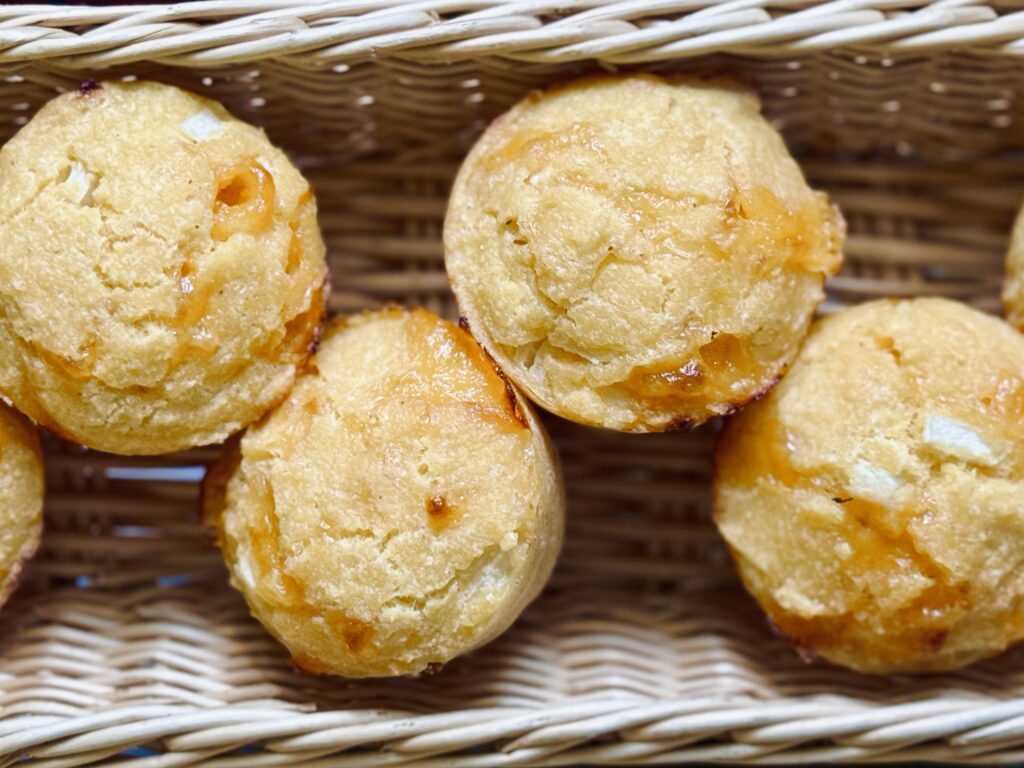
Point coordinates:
[[125, 634], [314, 35]]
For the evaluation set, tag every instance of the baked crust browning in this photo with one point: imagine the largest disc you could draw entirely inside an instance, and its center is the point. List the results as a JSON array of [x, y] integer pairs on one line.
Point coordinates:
[[21, 497], [160, 269], [872, 499], [637, 252], [1013, 285], [399, 508]]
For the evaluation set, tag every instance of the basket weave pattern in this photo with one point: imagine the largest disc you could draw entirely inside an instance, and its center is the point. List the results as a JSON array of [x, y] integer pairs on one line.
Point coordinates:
[[124, 633]]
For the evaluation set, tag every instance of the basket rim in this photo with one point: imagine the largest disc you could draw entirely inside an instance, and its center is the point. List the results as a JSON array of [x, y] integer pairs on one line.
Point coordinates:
[[603, 730], [214, 33], [614, 727]]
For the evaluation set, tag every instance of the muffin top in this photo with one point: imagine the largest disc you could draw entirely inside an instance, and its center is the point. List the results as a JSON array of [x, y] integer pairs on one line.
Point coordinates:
[[873, 498], [21, 496], [638, 253], [400, 507], [161, 269]]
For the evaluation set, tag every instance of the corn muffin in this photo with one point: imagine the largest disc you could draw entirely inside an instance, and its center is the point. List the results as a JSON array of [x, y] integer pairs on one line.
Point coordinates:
[[873, 500], [638, 253], [21, 496], [1013, 287], [401, 507], [161, 269]]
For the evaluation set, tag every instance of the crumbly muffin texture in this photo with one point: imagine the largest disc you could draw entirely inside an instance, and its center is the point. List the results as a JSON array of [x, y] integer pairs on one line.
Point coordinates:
[[401, 507], [161, 269], [638, 253], [21, 496], [873, 500]]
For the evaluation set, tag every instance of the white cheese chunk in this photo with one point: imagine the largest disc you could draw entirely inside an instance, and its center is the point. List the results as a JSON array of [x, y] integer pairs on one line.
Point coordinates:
[[956, 439], [792, 599], [873, 483], [203, 125], [245, 573], [81, 183]]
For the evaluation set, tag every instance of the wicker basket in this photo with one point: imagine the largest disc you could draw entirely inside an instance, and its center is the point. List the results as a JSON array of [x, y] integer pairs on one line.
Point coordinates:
[[125, 646]]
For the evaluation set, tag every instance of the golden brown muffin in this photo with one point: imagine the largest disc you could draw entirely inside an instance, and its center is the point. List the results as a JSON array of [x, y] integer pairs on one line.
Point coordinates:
[[401, 507], [21, 496], [873, 500], [638, 253], [1013, 288], [161, 269]]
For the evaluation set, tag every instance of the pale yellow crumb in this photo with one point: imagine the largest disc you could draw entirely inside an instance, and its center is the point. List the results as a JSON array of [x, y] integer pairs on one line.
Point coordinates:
[[400, 508], [638, 253], [874, 500], [161, 269]]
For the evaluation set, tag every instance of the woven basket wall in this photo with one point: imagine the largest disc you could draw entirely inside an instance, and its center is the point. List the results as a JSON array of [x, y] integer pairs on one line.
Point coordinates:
[[125, 645]]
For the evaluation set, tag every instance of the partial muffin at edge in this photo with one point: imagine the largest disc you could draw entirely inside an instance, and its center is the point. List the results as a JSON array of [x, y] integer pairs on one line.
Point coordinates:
[[161, 269], [21, 496], [1013, 285], [872, 500]]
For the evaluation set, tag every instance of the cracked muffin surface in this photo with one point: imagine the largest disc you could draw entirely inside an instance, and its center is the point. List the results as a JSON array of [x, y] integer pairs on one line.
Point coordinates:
[[161, 269], [638, 253], [872, 500], [21, 496], [401, 507]]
